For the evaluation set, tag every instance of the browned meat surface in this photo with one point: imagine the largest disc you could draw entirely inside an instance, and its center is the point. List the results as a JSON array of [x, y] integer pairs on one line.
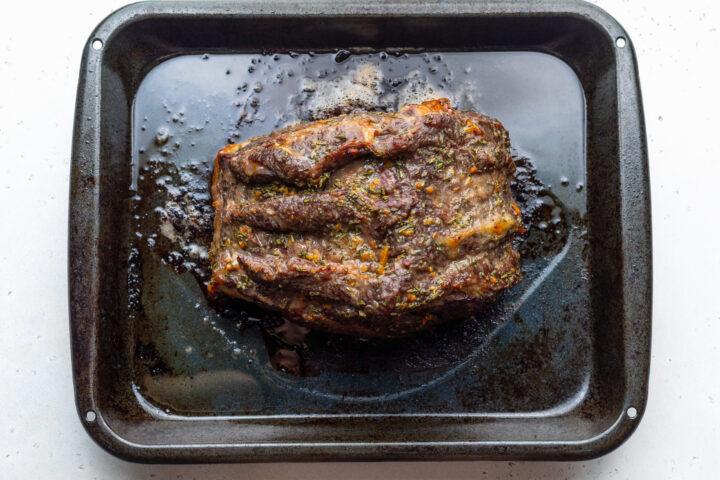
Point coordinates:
[[372, 224]]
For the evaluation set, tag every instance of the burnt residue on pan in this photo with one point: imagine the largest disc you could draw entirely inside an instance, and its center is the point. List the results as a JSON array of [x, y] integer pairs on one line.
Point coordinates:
[[178, 127]]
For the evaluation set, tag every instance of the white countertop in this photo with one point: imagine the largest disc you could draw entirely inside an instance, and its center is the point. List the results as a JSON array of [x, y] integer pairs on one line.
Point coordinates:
[[678, 47]]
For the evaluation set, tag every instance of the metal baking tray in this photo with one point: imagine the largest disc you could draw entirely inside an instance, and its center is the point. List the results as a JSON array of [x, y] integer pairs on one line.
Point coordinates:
[[558, 369]]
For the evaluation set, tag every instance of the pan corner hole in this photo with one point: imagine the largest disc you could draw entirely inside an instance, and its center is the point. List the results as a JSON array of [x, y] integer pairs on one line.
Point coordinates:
[[90, 416], [632, 413], [97, 44], [620, 42]]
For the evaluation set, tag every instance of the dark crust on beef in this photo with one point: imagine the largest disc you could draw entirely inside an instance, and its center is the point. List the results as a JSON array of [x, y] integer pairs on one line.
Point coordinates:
[[370, 224]]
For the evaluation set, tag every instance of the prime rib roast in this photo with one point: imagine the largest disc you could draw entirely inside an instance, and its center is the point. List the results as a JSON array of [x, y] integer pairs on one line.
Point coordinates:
[[370, 224]]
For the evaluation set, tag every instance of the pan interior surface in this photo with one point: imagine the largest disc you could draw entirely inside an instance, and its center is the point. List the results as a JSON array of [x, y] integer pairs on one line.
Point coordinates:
[[193, 359]]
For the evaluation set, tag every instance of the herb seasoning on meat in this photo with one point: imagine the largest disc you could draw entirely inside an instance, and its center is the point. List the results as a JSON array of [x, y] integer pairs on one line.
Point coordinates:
[[368, 224]]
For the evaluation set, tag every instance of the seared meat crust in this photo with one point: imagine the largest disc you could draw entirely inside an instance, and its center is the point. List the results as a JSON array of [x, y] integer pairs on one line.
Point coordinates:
[[371, 224]]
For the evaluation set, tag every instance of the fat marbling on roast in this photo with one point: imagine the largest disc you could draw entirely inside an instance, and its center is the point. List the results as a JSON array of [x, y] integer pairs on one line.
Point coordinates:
[[370, 224]]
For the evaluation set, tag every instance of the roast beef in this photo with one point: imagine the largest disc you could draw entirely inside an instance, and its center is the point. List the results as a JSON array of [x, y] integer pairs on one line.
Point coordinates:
[[370, 224]]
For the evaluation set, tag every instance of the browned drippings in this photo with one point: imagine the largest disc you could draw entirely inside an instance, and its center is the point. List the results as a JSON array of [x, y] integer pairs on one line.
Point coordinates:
[[175, 141]]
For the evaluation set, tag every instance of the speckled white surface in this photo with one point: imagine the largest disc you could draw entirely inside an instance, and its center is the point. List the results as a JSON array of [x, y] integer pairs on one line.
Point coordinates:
[[678, 46]]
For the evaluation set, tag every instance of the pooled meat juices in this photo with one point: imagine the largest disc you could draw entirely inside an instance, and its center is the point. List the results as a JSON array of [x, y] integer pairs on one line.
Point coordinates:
[[190, 106], [370, 224]]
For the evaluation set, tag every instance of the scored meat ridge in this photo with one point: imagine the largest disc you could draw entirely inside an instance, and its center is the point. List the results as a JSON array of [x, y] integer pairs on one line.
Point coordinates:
[[368, 224]]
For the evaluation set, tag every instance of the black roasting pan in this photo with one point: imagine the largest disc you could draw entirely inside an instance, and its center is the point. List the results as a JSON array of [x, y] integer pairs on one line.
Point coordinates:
[[557, 369]]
